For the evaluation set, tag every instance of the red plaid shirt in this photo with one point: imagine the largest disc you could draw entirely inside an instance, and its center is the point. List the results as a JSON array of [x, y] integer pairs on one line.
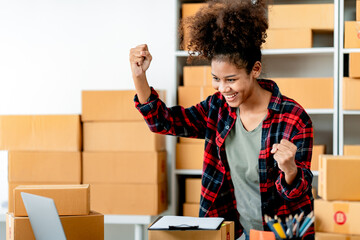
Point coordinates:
[[212, 120]]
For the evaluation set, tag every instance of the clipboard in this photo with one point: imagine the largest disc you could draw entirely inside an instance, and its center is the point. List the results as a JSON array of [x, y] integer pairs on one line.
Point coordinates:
[[171, 223]]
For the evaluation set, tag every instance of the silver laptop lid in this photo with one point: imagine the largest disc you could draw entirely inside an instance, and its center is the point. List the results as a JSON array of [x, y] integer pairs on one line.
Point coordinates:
[[44, 217]]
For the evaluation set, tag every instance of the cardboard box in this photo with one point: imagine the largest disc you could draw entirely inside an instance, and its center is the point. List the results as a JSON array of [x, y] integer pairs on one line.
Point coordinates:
[[226, 232], [69, 199], [337, 177], [335, 236], [354, 63], [189, 156], [317, 150], [337, 216], [45, 167], [352, 35], [351, 97], [121, 136], [90, 227], [190, 96], [306, 92], [191, 209], [288, 38], [40, 132], [12, 186], [191, 140], [313, 16], [109, 106], [352, 150], [192, 190], [189, 9], [129, 199], [124, 167], [197, 76]]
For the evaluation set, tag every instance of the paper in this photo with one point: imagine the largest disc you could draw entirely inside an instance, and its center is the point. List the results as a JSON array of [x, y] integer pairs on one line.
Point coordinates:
[[203, 223]]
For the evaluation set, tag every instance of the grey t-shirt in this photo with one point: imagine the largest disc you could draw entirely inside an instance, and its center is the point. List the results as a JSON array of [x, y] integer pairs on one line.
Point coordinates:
[[242, 149]]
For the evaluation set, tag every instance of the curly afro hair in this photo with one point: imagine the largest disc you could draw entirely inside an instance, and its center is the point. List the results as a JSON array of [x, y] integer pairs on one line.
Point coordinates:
[[227, 30]]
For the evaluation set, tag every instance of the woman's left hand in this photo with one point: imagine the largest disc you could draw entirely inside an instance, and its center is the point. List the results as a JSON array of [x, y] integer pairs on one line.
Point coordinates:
[[284, 154]]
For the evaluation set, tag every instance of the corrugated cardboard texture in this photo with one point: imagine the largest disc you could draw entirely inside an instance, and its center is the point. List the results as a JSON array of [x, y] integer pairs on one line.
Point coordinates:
[[192, 190], [288, 38], [89, 227], [306, 91], [313, 16], [189, 96], [124, 167], [40, 132], [317, 150], [45, 167], [189, 156], [338, 176], [351, 97], [69, 199], [197, 76], [352, 150], [129, 199], [121, 136], [226, 232], [352, 36]]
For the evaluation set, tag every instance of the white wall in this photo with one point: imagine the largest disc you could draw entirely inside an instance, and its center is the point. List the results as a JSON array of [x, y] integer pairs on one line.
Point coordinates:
[[51, 50]]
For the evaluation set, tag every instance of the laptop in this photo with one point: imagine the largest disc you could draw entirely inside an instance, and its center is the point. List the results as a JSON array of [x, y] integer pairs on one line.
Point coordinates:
[[44, 218]]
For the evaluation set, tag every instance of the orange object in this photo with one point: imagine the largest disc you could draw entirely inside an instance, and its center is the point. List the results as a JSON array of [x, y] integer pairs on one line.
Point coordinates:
[[261, 235]]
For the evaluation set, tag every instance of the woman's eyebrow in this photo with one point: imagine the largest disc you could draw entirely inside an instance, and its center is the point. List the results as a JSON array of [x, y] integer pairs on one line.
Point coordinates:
[[225, 76]]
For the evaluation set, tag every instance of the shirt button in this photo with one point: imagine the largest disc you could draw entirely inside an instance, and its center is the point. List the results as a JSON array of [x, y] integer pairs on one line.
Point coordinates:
[[227, 127]]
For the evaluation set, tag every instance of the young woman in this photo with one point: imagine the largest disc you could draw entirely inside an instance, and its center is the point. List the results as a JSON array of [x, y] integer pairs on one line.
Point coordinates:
[[258, 143]]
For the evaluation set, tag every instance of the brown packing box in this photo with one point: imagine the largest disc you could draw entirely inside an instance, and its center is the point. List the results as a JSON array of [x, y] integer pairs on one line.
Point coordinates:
[[197, 76], [306, 92], [226, 232], [335, 236], [192, 190], [191, 140], [352, 150], [337, 177], [129, 199], [337, 216], [313, 16], [189, 9], [352, 36], [69, 199], [189, 96], [110, 105], [45, 167], [121, 136], [189, 156], [89, 227], [354, 64], [351, 97], [40, 132], [124, 167], [288, 38], [12, 186], [191, 209], [317, 150]]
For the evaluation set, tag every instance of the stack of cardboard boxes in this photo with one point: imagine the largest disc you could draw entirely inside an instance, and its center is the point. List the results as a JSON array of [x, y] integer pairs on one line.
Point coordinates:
[[352, 30], [123, 161], [72, 204], [192, 197], [351, 85], [197, 86], [43, 149], [337, 213], [293, 25]]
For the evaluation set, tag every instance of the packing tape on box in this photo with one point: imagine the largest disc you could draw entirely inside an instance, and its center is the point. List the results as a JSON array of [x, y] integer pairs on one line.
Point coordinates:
[[341, 214]]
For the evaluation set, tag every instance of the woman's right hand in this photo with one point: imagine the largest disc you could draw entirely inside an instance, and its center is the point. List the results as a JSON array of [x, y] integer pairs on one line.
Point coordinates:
[[140, 59]]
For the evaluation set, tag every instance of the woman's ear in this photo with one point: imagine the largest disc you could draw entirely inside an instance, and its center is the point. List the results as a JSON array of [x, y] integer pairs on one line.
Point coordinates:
[[256, 70]]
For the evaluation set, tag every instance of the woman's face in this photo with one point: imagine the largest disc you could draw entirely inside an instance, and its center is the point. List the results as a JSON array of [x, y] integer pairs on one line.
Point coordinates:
[[233, 83]]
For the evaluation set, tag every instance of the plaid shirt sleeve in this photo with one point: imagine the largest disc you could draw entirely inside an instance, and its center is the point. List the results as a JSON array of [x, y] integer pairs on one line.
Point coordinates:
[[177, 121], [302, 182]]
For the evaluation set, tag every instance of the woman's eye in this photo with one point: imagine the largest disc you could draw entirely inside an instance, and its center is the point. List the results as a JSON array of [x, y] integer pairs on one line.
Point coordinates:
[[215, 79], [230, 80]]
